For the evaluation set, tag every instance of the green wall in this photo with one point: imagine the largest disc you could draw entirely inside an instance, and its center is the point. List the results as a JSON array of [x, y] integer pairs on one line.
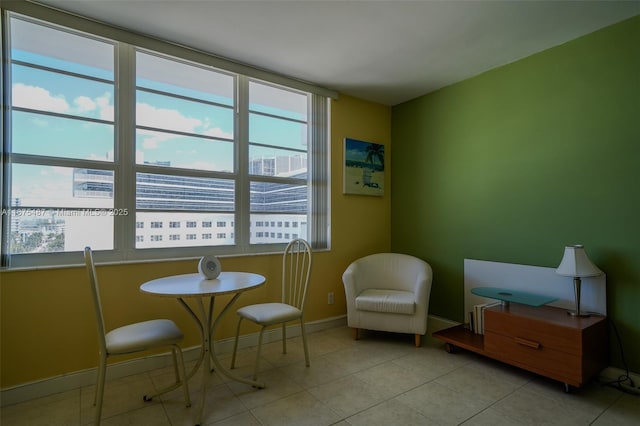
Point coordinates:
[[515, 163]]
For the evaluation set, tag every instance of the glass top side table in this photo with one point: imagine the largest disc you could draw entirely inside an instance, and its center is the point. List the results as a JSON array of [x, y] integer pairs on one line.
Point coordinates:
[[516, 296]]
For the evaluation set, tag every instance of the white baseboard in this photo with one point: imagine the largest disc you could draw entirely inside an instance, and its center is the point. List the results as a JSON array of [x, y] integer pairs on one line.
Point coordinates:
[[77, 379]]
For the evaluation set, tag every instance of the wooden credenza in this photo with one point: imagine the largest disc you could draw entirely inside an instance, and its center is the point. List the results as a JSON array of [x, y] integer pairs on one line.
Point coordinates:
[[544, 340]]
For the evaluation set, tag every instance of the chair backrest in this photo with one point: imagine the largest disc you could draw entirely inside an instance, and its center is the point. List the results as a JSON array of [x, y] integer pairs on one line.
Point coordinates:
[[393, 271], [95, 295], [296, 271]]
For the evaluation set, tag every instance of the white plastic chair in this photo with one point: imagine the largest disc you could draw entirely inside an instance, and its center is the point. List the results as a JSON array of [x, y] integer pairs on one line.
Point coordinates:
[[296, 269], [132, 338]]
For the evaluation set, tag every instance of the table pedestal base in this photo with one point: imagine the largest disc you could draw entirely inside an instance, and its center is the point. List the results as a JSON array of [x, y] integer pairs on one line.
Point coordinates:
[[207, 324]]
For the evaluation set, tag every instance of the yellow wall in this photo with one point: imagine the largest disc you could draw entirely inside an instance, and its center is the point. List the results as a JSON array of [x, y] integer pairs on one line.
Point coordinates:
[[47, 321]]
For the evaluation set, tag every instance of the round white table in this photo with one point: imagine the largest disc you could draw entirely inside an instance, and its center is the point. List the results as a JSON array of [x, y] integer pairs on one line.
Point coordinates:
[[195, 286]]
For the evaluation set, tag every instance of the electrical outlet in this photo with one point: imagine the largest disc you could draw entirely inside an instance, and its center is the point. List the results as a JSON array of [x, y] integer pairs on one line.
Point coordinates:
[[330, 298]]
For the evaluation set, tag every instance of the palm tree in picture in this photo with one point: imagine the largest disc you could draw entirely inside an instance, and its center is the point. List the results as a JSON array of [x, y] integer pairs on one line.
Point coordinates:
[[374, 152]]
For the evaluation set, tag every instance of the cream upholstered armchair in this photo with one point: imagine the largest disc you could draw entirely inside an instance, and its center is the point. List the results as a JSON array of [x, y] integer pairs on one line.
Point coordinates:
[[388, 292]]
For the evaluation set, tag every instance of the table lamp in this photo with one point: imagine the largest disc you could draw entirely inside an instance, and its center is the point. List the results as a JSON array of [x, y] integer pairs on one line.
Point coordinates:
[[575, 263]]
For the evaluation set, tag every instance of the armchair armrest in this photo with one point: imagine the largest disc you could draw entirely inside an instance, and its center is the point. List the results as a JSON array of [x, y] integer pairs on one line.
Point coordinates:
[[350, 286]]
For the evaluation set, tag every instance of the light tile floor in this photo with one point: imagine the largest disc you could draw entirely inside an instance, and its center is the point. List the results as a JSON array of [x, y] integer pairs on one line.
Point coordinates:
[[381, 379]]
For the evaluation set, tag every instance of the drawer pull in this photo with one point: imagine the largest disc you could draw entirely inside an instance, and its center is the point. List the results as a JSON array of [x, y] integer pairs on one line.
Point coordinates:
[[525, 342]]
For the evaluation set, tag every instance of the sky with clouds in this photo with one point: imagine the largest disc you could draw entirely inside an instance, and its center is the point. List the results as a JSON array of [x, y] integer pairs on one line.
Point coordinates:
[[86, 130]]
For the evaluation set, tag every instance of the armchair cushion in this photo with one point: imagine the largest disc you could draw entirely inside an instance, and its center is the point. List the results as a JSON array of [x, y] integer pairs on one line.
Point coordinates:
[[391, 301]]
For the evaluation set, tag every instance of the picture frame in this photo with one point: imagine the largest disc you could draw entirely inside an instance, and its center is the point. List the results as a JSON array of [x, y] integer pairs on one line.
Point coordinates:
[[363, 168]]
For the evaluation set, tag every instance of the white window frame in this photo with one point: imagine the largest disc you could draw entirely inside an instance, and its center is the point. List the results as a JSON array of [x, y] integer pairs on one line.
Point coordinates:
[[124, 239]]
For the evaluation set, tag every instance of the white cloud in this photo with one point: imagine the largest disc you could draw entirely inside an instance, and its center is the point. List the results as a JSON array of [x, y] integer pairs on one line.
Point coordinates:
[[218, 133], [151, 140], [148, 115], [102, 104], [215, 132], [38, 98], [163, 118], [105, 107], [84, 103]]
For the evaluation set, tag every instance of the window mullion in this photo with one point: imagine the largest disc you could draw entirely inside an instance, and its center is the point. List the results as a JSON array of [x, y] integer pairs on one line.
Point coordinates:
[[243, 197], [5, 143], [125, 150]]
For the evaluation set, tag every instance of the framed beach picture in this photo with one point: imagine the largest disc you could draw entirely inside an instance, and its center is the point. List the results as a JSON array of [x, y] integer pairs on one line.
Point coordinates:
[[363, 172]]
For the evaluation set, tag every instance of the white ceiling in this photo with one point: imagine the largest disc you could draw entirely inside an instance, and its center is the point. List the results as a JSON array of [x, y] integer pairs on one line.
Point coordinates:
[[384, 51]]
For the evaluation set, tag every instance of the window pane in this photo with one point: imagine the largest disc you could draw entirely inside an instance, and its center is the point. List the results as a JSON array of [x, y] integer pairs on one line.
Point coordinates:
[[164, 229], [61, 187], [171, 113], [58, 208], [41, 90], [277, 132], [285, 227], [171, 76], [40, 134], [169, 192], [47, 230], [43, 45], [276, 197], [171, 150], [265, 161], [276, 101]]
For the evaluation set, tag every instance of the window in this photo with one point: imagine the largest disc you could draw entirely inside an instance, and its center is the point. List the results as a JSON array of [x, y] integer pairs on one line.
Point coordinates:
[[62, 129], [185, 138]]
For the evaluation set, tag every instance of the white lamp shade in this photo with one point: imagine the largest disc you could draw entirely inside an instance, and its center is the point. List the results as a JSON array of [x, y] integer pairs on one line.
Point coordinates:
[[576, 263]]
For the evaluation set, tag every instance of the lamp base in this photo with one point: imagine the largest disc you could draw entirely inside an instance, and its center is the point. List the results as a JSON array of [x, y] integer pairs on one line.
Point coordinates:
[[578, 314], [576, 290]]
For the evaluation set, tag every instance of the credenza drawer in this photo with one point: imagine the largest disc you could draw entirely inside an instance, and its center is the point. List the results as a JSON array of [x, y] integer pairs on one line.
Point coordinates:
[[547, 334], [533, 355]]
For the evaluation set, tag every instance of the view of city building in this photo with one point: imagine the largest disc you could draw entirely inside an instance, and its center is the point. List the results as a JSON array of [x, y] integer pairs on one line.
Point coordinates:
[[173, 211]]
